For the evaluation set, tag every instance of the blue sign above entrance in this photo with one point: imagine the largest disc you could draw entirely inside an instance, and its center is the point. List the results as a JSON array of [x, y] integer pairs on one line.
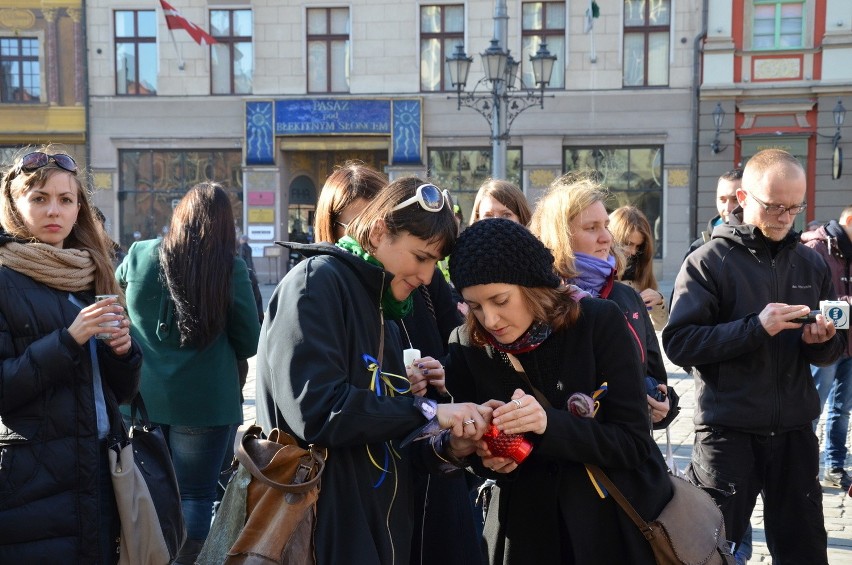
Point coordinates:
[[322, 116], [401, 119]]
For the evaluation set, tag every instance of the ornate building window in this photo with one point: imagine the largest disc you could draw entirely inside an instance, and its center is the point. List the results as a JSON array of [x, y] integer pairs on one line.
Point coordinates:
[[778, 24], [20, 79], [543, 22]]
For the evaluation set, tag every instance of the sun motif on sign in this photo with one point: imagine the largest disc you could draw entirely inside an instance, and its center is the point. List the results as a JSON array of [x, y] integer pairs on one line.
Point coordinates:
[[259, 131]]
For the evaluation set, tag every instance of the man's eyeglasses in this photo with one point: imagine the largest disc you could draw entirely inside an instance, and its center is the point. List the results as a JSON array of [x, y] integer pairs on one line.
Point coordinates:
[[778, 209], [37, 159], [430, 197]]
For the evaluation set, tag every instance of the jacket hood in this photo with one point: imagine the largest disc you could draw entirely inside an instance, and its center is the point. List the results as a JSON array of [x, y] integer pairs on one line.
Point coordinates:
[[372, 277], [835, 236]]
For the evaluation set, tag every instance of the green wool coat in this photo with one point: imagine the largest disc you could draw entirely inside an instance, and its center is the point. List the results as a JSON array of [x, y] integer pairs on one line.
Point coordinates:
[[185, 386]]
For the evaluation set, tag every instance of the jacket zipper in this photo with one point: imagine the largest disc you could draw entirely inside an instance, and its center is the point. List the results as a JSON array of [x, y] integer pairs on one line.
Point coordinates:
[[776, 354]]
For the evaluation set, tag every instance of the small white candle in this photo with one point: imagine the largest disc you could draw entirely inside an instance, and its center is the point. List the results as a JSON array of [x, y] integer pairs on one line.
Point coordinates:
[[409, 355]]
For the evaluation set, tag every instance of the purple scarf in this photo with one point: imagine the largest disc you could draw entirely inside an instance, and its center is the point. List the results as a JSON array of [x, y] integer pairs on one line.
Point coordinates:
[[593, 273]]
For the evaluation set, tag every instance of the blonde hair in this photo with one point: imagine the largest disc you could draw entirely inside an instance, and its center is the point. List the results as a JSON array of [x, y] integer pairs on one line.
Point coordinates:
[[624, 222], [506, 194], [565, 199], [88, 233]]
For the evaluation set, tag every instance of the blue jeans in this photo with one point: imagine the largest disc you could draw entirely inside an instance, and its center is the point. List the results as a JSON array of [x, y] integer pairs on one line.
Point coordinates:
[[197, 453], [834, 383]]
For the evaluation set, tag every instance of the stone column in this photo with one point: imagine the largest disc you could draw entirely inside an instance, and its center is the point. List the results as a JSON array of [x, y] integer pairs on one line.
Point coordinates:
[[51, 56], [76, 15]]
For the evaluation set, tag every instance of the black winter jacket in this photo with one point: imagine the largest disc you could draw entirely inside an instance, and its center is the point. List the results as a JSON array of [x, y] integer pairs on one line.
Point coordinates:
[[645, 338], [547, 511], [745, 379], [49, 448], [313, 382]]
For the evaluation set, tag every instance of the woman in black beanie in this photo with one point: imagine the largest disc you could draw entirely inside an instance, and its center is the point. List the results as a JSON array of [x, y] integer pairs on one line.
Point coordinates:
[[532, 344]]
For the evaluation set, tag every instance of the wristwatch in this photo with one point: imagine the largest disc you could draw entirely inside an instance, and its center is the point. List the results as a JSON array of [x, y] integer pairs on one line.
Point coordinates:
[[426, 406]]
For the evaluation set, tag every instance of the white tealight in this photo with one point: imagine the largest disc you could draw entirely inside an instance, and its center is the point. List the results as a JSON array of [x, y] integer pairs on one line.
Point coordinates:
[[409, 355]]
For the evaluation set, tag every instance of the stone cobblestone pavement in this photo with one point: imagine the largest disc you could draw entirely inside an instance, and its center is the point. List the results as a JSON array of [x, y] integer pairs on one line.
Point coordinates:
[[837, 506]]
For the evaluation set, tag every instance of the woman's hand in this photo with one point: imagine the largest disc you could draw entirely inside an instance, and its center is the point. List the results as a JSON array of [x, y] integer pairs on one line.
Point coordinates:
[[426, 371], [466, 420], [496, 464], [651, 297], [522, 414], [93, 320], [659, 409], [120, 341]]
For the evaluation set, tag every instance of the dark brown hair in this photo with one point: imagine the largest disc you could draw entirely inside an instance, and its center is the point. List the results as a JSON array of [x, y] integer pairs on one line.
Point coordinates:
[[432, 227], [623, 222], [553, 306], [197, 260], [348, 182]]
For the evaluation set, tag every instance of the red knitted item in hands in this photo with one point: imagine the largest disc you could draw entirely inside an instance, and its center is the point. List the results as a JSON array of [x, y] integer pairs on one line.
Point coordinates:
[[514, 446]]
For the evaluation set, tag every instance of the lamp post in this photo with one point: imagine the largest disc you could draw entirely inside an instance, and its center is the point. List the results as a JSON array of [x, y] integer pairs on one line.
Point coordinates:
[[506, 97], [837, 153]]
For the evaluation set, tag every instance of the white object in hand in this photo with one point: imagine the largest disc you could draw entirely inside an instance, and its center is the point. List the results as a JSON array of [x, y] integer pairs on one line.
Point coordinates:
[[409, 355]]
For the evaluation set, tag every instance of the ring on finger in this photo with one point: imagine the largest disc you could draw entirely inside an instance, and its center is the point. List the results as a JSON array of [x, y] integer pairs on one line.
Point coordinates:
[[471, 421], [517, 402]]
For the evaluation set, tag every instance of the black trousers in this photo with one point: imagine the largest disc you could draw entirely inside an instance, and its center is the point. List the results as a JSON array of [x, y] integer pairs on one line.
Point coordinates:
[[734, 467]]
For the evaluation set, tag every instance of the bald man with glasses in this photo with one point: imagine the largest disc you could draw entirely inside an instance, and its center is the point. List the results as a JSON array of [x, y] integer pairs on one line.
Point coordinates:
[[733, 316]]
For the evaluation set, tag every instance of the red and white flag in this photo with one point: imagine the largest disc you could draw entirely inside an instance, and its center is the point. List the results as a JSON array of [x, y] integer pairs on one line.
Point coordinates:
[[174, 20]]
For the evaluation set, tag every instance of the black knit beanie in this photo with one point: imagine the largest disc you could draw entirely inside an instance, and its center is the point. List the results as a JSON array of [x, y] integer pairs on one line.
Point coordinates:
[[501, 251]]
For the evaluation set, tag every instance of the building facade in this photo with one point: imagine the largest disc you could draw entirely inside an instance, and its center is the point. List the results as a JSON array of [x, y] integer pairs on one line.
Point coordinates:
[[290, 89], [42, 76], [776, 73]]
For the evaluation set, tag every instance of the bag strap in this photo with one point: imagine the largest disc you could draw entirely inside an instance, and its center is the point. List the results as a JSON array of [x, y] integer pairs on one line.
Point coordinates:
[[634, 516], [306, 464], [138, 405], [516, 364], [594, 470]]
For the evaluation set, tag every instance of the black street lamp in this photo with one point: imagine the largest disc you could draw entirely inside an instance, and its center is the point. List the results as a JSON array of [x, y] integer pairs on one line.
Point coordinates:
[[506, 98]]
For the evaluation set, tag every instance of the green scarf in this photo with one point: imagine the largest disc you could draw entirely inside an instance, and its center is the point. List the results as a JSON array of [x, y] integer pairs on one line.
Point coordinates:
[[393, 308]]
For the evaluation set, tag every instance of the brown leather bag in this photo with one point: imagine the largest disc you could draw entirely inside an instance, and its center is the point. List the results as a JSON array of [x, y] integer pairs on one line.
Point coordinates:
[[283, 484], [690, 529]]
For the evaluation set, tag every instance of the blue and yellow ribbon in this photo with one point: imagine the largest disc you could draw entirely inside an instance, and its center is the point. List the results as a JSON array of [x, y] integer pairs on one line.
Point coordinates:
[[382, 384]]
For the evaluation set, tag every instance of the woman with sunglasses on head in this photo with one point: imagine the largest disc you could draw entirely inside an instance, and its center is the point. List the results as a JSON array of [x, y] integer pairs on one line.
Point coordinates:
[[631, 233], [195, 316], [330, 371], [536, 351], [59, 386], [444, 525], [500, 199], [572, 221]]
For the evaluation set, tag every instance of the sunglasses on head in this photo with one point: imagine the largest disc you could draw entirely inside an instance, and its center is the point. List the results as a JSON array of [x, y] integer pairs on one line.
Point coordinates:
[[430, 197], [37, 159]]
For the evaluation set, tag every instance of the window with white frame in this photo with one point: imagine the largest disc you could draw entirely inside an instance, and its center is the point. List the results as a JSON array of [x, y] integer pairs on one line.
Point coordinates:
[[647, 29], [328, 50], [778, 24]]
